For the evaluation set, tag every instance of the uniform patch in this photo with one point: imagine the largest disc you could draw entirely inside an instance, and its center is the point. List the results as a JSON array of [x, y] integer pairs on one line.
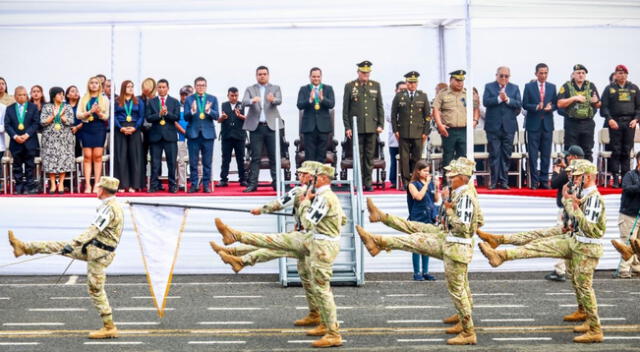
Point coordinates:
[[102, 218], [288, 198], [592, 210], [318, 210], [464, 209]]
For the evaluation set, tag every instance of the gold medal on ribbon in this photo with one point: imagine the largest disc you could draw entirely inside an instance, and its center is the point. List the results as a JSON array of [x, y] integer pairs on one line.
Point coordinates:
[[57, 126], [317, 106], [129, 118], [91, 118], [20, 127], [162, 122], [202, 116]]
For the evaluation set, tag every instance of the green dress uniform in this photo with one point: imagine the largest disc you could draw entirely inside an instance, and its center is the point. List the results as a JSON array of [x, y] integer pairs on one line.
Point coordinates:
[[364, 100], [411, 118]]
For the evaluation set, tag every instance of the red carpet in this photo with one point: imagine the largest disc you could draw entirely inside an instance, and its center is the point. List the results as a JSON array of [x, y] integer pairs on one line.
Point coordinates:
[[234, 189]]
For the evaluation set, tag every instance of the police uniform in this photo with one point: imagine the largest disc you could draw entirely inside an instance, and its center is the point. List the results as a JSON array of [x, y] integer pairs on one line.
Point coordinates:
[[453, 114], [579, 125], [96, 245], [450, 241], [364, 100], [410, 117], [621, 104], [581, 246]]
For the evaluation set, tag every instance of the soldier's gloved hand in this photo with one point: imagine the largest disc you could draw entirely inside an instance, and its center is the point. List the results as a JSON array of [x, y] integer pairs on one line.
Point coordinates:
[[66, 250]]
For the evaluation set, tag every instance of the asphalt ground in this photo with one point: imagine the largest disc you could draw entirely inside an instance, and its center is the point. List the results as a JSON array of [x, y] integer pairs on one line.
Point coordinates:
[[513, 312]]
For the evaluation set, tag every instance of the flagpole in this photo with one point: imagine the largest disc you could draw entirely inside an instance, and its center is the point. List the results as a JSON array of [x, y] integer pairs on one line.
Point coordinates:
[[189, 206]]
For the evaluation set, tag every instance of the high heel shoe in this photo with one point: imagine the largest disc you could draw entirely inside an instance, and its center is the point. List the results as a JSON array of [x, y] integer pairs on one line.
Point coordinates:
[[87, 190]]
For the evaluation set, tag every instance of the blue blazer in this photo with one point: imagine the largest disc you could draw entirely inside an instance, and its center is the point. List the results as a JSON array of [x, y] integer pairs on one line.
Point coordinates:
[[196, 125], [537, 119], [501, 115], [31, 125]]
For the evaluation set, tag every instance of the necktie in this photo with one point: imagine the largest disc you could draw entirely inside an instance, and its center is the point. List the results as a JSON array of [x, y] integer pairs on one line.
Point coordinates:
[[162, 100], [411, 95], [542, 92]]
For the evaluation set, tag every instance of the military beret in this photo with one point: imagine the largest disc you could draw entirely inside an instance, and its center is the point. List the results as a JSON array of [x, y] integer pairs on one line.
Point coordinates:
[[578, 67], [575, 150], [365, 66], [458, 75], [622, 68], [412, 76]]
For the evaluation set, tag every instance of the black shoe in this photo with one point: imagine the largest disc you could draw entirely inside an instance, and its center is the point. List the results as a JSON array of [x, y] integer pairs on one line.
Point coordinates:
[[429, 277], [553, 276], [505, 187], [31, 191], [534, 187], [18, 189], [52, 192], [152, 190], [491, 187], [616, 184], [223, 183], [545, 185], [368, 188], [393, 185], [244, 183], [193, 189], [251, 188], [206, 189], [173, 189]]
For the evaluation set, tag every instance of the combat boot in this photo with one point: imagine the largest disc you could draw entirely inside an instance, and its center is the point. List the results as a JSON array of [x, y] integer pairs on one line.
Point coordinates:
[[228, 234], [454, 319], [18, 246], [625, 251], [313, 318], [319, 330], [635, 245], [456, 329], [493, 240], [375, 215], [108, 331], [578, 315], [495, 257], [218, 248], [235, 262], [584, 327], [368, 240], [464, 338], [593, 335], [332, 339]]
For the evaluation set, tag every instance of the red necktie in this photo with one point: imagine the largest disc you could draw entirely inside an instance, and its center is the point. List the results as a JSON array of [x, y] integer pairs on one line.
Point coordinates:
[[162, 99], [542, 92]]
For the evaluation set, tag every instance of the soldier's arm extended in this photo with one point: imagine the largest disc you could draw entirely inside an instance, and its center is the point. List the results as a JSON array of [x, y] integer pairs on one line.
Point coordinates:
[[285, 201], [346, 100], [459, 217], [380, 109], [591, 221]]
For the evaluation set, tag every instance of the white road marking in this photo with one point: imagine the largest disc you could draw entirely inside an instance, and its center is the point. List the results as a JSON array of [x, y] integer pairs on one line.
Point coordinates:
[[134, 332], [216, 342], [560, 294], [412, 321], [507, 320], [70, 298], [303, 308], [420, 340], [499, 306], [19, 343], [306, 341], [237, 296], [23, 332], [208, 332], [612, 319], [135, 309], [137, 323], [414, 307], [493, 294], [114, 343], [235, 308], [303, 296], [225, 322], [57, 309], [575, 305], [5, 298], [33, 324], [149, 297], [72, 280], [521, 339], [622, 337]]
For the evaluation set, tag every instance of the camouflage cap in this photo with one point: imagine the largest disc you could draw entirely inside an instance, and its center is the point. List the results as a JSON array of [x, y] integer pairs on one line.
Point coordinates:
[[326, 170], [571, 166], [461, 166], [308, 167], [109, 183], [584, 167]]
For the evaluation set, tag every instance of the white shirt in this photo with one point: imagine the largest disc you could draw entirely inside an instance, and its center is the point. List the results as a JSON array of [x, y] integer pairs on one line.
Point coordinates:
[[3, 109], [263, 89], [391, 139]]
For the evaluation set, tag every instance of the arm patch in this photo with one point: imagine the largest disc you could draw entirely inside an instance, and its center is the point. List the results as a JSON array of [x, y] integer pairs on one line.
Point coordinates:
[[464, 209], [102, 218], [318, 210], [592, 210]]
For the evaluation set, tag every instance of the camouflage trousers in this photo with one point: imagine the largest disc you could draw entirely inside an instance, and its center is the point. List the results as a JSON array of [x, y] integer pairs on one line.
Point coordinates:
[[523, 238], [315, 258], [582, 266], [430, 240], [97, 261]]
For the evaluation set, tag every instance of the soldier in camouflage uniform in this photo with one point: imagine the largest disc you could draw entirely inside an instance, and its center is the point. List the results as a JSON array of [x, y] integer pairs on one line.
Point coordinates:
[[450, 241], [96, 246], [322, 219], [240, 255], [581, 245]]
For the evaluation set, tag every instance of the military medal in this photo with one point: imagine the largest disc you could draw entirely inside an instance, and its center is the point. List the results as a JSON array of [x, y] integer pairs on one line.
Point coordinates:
[[89, 104], [162, 122], [56, 120], [202, 116], [20, 126], [91, 118], [20, 116], [128, 107], [57, 126], [200, 100], [317, 106], [316, 96]]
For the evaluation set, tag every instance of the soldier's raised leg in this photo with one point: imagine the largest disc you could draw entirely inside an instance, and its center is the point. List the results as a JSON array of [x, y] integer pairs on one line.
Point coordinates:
[[420, 243]]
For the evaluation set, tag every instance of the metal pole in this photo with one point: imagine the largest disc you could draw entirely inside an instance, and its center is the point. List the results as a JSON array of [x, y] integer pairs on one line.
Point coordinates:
[[441, 54], [357, 169], [469, 80], [278, 160], [113, 103]]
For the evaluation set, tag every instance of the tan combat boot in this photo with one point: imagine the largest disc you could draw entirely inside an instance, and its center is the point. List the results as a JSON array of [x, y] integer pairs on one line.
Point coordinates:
[[456, 329], [635, 245], [625, 251], [218, 248], [464, 338], [368, 241], [493, 240], [228, 234], [319, 330], [584, 327], [496, 258], [375, 215], [18, 246], [313, 318], [235, 262], [454, 319], [578, 315], [108, 331], [593, 335], [332, 339]]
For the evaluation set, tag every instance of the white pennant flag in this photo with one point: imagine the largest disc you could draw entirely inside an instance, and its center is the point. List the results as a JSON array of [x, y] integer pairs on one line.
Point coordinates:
[[159, 231]]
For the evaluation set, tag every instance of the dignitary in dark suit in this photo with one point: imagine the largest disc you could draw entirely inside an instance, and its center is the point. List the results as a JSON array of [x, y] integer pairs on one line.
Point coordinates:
[[232, 137], [21, 122], [262, 99], [363, 99], [539, 100], [503, 103], [163, 112], [201, 109], [316, 101], [129, 157], [411, 124]]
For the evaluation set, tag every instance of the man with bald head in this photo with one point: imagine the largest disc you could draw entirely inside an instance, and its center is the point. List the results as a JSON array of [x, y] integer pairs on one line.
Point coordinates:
[[21, 122], [503, 103]]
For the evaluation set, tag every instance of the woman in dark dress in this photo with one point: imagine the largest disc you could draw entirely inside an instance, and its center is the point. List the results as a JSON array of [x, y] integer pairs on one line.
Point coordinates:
[[129, 116], [71, 98], [93, 111]]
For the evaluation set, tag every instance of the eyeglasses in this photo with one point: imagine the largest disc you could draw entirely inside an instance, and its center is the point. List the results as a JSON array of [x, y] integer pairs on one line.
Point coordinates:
[[503, 76]]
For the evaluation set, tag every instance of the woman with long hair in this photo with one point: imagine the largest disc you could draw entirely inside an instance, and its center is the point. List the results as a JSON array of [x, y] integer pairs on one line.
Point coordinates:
[[129, 116], [72, 98], [93, 111], [422, 196], [37, 96], [5, 98], [56, 119], [149, 90]]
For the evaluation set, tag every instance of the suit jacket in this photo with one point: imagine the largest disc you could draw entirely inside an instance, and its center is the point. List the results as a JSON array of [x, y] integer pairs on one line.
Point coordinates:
[[231, 127], [312, 118], [196, 125], [537, 119], [501, 115], [167, 132], [31, 125], [270, 108]]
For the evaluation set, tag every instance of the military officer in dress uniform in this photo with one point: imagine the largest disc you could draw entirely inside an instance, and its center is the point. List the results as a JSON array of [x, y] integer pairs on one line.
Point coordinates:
[[363, 99], [411, 123], [322, 218], [96, 245]]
